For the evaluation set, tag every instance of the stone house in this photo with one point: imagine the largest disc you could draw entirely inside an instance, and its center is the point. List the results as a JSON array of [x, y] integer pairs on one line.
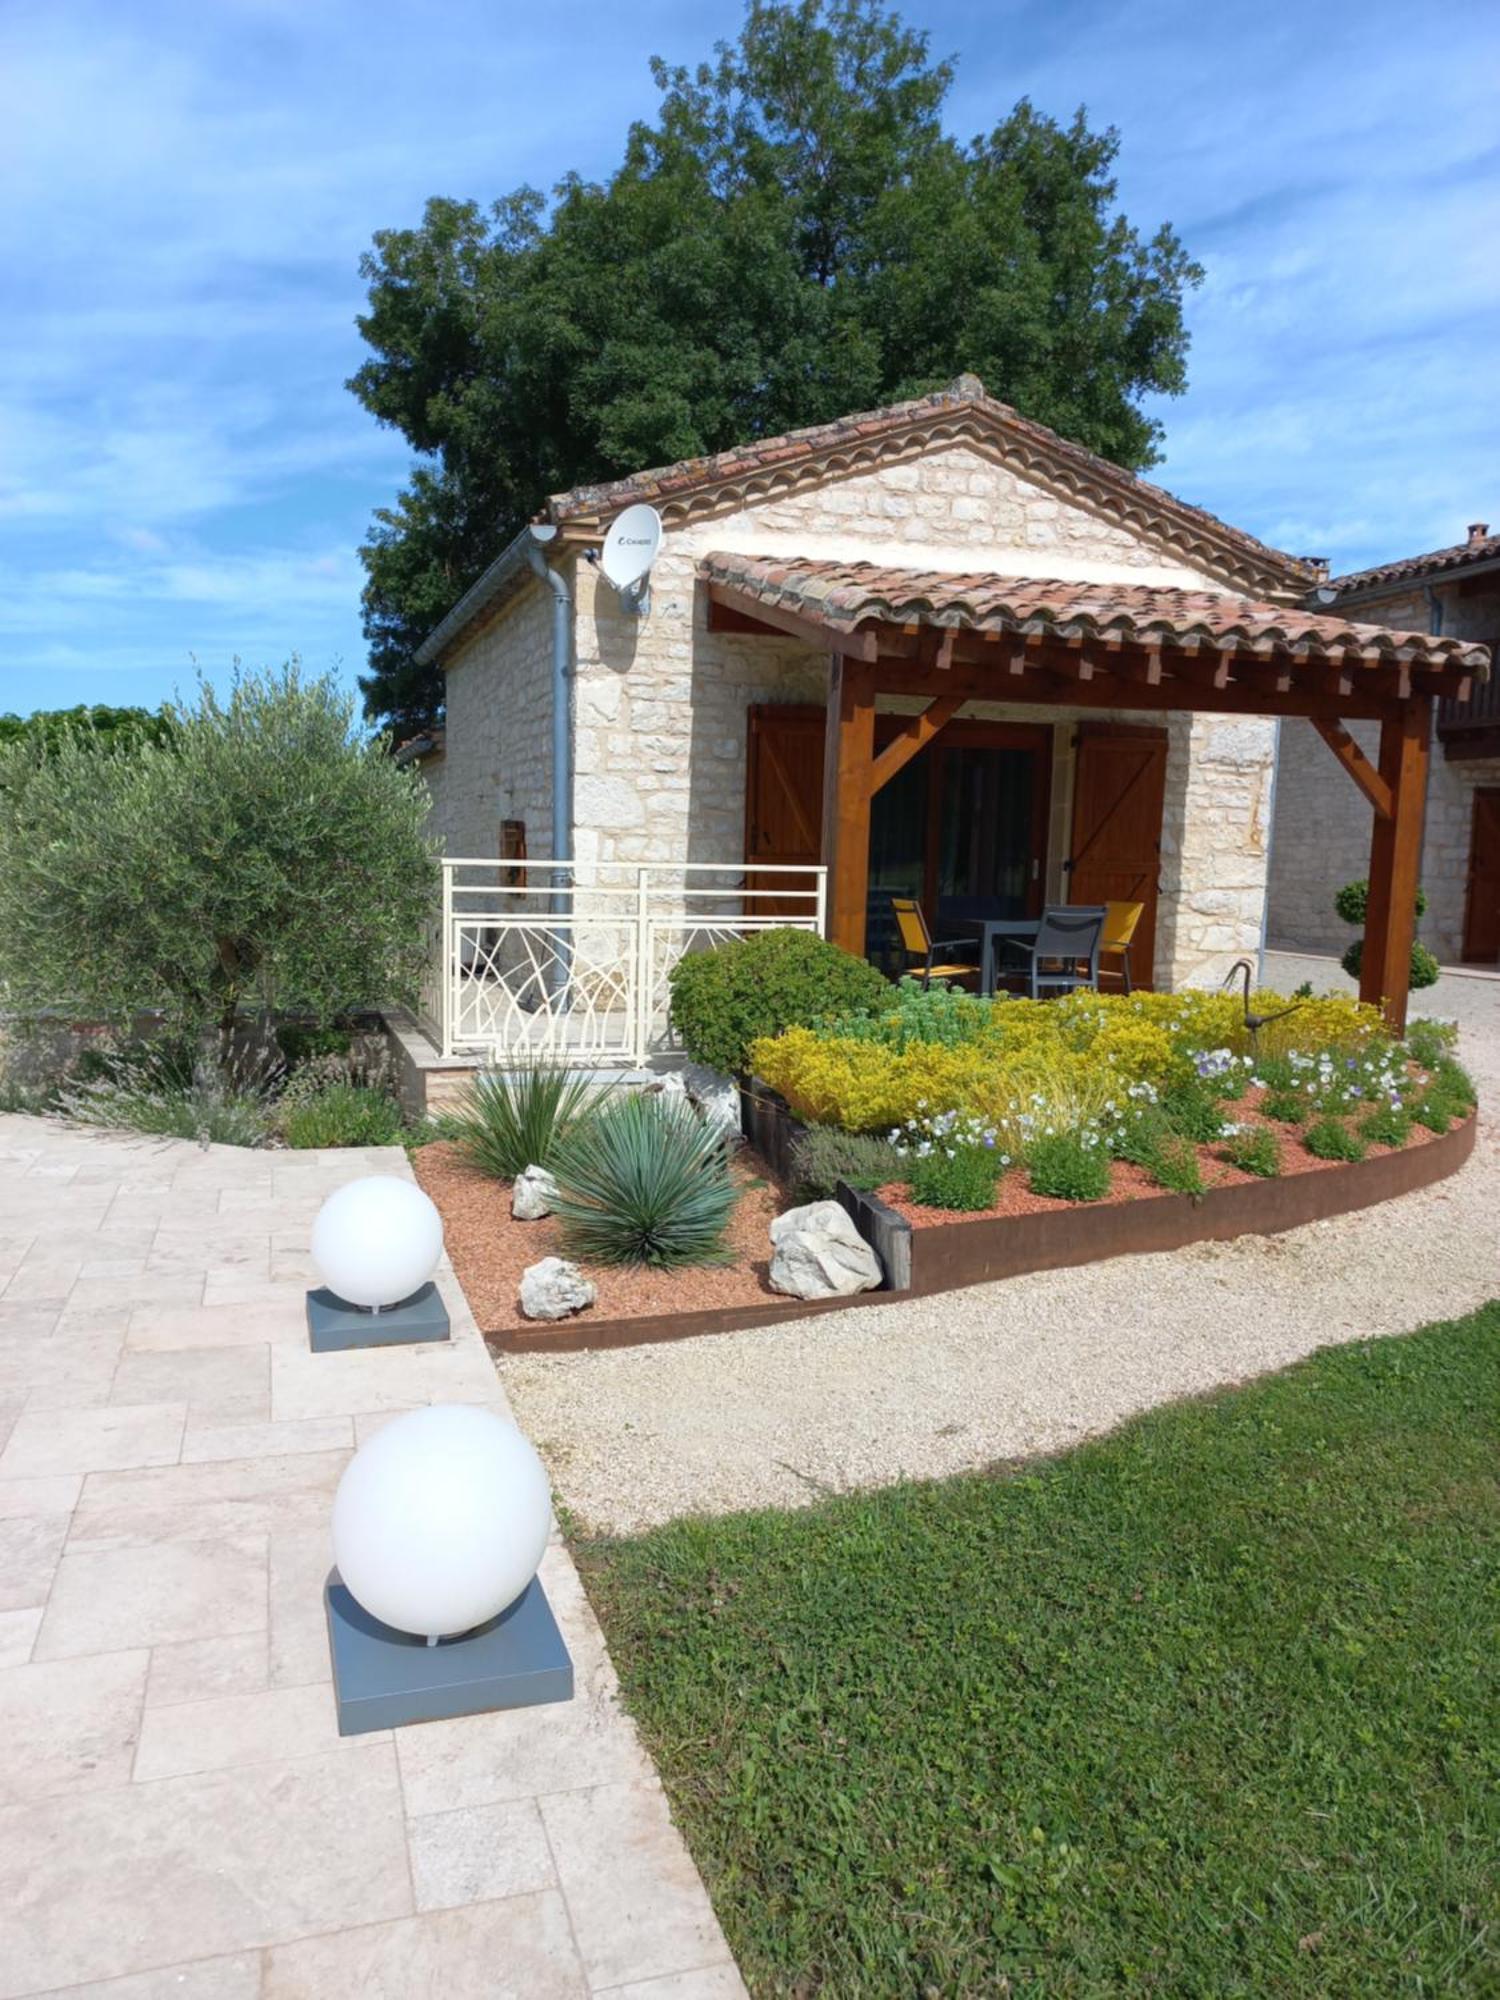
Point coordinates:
[[934, 648], [1321, 835]]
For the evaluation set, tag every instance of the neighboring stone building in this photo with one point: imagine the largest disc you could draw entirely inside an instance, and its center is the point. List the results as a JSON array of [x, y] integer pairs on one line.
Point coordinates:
[[698, 732], [1322, 825]]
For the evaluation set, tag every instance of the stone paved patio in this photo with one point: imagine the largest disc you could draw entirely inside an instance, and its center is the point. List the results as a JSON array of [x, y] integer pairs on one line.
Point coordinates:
[[178, 1814]]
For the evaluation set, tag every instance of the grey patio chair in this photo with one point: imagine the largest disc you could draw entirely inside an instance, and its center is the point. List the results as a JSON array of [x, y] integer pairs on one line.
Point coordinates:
[[1067, 942]]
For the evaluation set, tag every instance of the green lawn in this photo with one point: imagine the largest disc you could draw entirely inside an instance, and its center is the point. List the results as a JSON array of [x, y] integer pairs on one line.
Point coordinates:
[[1207, 1708]]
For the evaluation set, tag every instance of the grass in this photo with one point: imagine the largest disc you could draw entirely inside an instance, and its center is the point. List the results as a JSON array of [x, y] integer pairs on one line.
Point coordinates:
[[1208, 1707]]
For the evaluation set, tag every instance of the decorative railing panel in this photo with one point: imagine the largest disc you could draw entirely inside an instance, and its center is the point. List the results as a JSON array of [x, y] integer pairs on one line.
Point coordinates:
[[542, 960]]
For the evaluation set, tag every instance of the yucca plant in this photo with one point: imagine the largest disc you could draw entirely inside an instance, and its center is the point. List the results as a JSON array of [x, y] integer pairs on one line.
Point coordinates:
[[509, 1120], [644, 1182]]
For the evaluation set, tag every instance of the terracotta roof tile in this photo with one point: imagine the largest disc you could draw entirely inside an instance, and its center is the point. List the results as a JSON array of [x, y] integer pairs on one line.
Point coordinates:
[[846, 595], [961, 411], [1410, 569]]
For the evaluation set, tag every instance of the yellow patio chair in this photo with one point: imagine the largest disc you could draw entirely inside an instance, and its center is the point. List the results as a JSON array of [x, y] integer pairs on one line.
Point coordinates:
[[1120, 920], [916, 944]]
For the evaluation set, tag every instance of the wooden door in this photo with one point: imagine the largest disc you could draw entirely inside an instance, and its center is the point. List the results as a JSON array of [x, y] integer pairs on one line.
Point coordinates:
[[783, 800], [1482, 902], [1119, 788]]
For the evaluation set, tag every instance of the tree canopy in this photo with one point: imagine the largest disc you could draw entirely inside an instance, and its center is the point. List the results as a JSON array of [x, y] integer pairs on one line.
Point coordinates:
[[98, 728], [793, 238]]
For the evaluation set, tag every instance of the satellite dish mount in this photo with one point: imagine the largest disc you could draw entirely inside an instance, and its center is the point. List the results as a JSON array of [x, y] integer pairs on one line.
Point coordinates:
[[629, 550]]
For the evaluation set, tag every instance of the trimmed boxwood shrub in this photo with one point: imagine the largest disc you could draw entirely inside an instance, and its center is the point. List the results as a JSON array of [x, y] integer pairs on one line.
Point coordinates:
[[1425, 969], [724, 999]]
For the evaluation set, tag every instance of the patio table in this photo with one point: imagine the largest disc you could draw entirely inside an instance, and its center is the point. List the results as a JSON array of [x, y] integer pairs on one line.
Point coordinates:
[[989, 931]]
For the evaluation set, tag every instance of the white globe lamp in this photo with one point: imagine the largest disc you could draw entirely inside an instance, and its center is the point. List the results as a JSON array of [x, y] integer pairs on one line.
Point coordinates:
[[376, 1241], [441, 1520]]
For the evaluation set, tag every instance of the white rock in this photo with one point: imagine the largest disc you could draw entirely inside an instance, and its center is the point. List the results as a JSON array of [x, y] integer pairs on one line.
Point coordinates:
[[554, 1289], [716, 1096], [532, 1195], [817, 1253]]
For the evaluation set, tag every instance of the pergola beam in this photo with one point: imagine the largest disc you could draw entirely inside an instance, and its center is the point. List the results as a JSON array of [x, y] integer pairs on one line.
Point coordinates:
[[914, 737], [1395, 863], [1357, 764]]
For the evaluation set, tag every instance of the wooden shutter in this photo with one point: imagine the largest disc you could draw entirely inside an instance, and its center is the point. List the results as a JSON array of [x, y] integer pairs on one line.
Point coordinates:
[[784, 795], [1119, 790]]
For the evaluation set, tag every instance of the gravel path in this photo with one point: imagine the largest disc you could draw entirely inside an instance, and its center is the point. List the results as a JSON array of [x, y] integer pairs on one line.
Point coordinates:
[[782, 1415]]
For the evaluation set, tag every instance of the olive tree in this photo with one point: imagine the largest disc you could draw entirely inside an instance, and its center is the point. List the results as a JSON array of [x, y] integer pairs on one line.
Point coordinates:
[[265, 854]]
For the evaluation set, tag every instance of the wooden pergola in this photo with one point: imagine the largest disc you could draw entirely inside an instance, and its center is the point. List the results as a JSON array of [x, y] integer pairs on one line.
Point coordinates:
[[953, 639]]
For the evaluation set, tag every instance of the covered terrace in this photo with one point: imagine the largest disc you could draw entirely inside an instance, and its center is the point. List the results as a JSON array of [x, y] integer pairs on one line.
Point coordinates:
[[955, 638]]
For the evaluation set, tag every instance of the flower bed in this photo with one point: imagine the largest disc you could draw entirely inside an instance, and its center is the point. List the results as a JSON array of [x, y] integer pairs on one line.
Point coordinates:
[[960, 1099], [1005, 1136]]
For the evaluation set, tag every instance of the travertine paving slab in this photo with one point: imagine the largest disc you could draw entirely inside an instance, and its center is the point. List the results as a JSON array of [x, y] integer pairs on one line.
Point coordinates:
[[151, 1593], [229, 1730], [639, 1910], [203, 1669], [518, 1949], [207, 1979], [220, 1385], [304, 1384], [56, 1494], [165, 1325], [178, 1814], [118, 1881], [479, 1853], [18, 1630], [717, 1982], [219, 1497], [525, 1753], [53, 1441], [69, 1725], [30, 1548], [229, 1441]]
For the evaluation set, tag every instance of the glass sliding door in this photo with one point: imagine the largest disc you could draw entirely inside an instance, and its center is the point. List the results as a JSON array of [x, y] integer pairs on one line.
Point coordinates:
[[986, 828], [963, 825]]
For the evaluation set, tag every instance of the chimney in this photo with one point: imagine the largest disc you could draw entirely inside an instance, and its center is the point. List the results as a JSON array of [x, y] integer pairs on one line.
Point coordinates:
[[1478, 532]]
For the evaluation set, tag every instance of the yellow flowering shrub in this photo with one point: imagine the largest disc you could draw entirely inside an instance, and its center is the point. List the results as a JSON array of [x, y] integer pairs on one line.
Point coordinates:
[[864, 1086], [1065, 1061]]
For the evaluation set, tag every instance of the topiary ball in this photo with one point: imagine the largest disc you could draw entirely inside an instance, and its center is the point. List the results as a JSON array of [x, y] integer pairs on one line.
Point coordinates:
[[1425, 970], [1353, 901]]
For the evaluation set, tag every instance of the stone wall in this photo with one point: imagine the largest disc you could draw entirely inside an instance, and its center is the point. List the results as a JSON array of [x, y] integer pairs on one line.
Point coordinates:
[[1322, 830], [497, 760], [661, 702]]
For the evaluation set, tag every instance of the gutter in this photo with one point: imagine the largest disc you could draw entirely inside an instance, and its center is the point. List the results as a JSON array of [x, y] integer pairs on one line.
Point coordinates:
[[536, 540], [503, 571]]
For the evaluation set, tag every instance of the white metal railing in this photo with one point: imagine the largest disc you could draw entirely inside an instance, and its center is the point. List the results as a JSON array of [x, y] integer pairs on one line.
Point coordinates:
[[544, 959]]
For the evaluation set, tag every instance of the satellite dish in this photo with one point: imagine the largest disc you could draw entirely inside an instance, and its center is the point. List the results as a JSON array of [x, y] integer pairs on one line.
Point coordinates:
[[629, 550]]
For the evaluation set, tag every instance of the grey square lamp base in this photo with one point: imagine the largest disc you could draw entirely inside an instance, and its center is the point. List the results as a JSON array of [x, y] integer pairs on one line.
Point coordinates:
[[333, 1325], [382, 1679]]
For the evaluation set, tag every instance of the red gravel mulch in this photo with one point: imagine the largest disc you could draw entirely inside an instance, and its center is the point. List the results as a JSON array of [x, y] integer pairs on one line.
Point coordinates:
[[490, 1249]]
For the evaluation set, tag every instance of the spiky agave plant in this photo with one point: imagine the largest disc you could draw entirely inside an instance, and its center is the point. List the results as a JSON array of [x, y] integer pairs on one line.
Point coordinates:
[[509, 1120], [644, 1182]]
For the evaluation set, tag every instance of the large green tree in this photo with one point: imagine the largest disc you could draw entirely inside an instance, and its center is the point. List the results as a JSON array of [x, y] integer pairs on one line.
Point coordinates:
[[794, 237]]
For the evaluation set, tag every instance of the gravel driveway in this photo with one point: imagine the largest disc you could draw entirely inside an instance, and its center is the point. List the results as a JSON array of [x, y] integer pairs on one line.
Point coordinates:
[[782, 1415]]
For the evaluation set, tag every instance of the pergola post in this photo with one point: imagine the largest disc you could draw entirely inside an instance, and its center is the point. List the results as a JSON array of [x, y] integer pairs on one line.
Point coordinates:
[[1395, 862], [848, 753]]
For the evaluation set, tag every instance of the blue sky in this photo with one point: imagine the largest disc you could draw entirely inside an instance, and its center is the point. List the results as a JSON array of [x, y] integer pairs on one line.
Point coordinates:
[[185, 191]]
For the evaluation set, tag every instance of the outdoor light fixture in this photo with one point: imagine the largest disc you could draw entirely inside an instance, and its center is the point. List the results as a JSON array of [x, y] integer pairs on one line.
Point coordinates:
[[435, 1608], [376, 1243]]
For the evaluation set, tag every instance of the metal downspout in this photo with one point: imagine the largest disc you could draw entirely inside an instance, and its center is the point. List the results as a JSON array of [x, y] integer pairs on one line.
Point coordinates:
[[562, 746]]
